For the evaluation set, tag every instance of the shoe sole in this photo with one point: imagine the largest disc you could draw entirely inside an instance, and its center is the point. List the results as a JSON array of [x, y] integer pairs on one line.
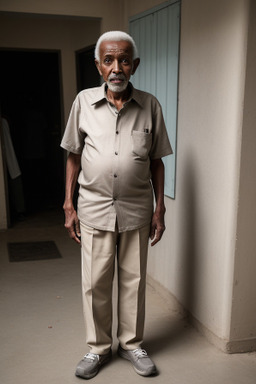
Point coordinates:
[[86, 376], [124, 355]]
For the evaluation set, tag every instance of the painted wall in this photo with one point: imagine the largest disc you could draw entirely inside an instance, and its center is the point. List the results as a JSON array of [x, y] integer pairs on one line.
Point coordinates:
[[108, 10], [243, 319], [213, 53]]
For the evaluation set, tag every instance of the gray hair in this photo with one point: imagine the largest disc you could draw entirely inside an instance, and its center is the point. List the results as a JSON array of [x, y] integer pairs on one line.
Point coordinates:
[[115, 36]]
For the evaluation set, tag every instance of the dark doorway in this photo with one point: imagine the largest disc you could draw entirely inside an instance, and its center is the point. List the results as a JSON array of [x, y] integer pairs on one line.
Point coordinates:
[[87, 73], [30, 96], [87, 76]]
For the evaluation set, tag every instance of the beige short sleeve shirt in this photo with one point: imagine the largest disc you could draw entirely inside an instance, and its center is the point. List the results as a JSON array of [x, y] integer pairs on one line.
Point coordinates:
[[116, 148]]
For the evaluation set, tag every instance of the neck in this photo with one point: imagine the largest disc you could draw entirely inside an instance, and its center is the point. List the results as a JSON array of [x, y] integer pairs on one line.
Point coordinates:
[[120, 97]]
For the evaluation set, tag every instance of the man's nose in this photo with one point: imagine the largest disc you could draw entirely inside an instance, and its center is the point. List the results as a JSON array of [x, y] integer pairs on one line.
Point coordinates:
[[117, 67]]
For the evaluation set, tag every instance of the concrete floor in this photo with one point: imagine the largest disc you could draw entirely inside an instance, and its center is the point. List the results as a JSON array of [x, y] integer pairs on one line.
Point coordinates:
[[42, 330]]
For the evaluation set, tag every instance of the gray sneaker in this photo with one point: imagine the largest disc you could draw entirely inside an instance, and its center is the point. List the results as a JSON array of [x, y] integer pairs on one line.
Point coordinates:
[[142, 364], [90, 365]]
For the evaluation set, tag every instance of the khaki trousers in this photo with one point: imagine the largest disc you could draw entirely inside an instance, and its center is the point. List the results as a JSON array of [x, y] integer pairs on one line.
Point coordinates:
[[99, 251]]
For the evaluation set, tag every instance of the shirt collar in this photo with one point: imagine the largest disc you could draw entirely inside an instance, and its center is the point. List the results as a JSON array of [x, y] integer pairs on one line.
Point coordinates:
[[100, 95]]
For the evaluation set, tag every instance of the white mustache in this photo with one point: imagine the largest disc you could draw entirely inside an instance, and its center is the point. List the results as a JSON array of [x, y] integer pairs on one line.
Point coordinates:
[[116, 77]]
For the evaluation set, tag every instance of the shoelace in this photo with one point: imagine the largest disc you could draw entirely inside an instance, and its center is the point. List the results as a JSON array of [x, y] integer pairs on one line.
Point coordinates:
[[90, 356], [139, 353]]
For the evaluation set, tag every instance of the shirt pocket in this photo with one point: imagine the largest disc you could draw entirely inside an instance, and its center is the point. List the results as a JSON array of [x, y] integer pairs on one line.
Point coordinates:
[[141, 143]]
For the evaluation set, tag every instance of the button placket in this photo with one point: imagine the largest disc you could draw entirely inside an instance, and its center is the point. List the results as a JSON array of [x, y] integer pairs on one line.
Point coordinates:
[[116, 159]]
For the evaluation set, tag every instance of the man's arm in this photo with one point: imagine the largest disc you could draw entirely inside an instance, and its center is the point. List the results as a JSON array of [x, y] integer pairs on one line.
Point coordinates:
[[71, 219], [157, 223]]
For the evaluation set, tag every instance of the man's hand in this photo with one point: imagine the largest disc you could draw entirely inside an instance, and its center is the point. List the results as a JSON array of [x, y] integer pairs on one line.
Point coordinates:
[[157, 227], [71, 219], [72, 223]]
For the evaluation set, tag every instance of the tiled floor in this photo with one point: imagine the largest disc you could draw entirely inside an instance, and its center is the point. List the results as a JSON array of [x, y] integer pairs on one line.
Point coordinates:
[[42, 331]]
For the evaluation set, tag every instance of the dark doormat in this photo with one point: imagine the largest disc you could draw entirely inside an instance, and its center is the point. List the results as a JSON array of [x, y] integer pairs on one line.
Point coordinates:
[[31, 251]]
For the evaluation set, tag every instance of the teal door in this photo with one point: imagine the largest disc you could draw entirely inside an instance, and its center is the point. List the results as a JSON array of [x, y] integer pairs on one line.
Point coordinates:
[[156, 33]]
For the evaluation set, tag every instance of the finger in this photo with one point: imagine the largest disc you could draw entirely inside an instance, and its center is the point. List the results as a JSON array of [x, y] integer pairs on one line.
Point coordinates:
[[77, 233], [155, 240], [77, 240], [152, 231], [72, 233], [75, 237], [77, 228], [158, 236]]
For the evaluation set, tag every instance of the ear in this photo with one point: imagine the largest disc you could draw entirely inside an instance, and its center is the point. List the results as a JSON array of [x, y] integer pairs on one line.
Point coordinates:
[[136, 63], [98, 66]]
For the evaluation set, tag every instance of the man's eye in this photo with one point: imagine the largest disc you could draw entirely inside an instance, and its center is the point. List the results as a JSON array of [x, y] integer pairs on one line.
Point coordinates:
[[107, 60]]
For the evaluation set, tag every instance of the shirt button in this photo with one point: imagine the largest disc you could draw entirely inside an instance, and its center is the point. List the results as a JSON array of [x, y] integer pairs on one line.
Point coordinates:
[[115, 175], [116, 153], [117, 132]]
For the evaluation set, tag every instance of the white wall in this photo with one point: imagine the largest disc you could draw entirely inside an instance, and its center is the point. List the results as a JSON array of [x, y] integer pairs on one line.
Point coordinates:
[[210, 121], [243, 320], [201, 223]]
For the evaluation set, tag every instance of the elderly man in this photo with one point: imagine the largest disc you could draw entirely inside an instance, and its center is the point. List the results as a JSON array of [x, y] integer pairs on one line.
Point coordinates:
[[116, 138]]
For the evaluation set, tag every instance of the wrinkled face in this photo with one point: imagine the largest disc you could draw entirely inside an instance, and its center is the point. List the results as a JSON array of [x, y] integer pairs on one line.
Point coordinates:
[[116, 64]]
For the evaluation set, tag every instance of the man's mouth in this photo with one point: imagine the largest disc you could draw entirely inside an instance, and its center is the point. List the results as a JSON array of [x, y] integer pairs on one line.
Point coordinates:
[[116, 79]]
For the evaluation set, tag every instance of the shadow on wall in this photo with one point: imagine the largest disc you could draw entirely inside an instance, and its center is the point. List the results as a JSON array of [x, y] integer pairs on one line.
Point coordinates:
[[171, 330], [189, 267]]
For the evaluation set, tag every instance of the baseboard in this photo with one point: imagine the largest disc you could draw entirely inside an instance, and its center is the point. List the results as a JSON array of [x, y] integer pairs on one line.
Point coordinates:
[[241, 346], [227, 346]]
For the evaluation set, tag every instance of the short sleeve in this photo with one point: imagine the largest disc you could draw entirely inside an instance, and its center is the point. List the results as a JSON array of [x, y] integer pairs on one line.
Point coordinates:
[[73, 138], [161, 146]]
